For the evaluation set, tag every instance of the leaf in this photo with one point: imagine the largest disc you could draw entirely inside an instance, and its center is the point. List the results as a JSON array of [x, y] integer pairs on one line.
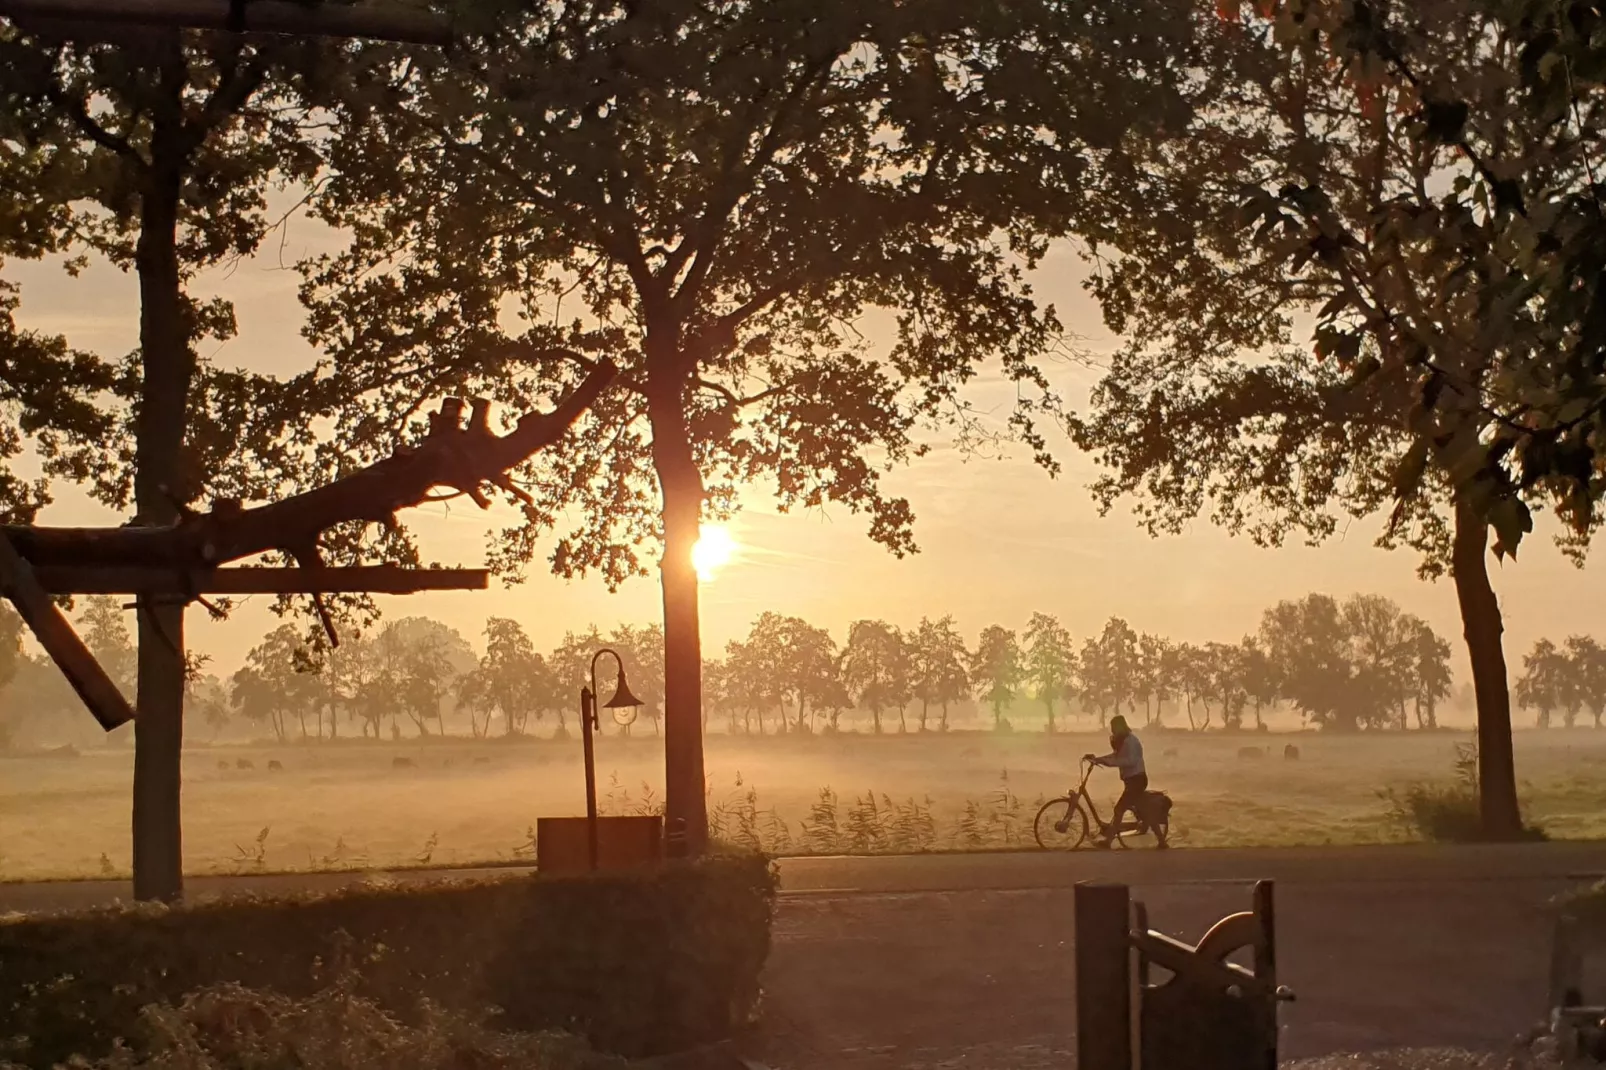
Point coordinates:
[[1511, 520], [1445, 120]]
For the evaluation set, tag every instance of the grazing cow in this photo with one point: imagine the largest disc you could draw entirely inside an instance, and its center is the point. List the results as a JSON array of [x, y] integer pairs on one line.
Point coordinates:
[[482, 760], [276, 765], [1251, 752], [1291, 752], [970, 752], [243, 763], [222, 763], [447, 763], [1170, 752], [403, 763]]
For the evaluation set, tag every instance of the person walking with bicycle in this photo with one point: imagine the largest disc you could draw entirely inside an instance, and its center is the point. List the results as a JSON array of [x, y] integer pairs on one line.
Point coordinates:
[[1126, 755]]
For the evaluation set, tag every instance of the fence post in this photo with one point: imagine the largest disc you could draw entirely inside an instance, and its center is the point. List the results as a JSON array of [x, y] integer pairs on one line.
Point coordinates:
[[1103, 977]]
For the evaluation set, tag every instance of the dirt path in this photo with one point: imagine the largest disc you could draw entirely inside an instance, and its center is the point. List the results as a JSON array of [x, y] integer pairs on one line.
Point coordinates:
[[984, 979]]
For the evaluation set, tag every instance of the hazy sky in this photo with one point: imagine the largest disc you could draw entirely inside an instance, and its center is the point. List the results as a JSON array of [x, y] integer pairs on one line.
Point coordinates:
[[999, 538]]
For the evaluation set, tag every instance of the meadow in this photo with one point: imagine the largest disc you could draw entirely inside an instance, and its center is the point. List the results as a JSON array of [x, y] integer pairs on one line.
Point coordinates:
[[347, 804]]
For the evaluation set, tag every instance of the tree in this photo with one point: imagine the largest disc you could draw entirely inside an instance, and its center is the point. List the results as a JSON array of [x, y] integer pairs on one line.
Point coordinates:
[[1225, 680], [722, 189], [278, 680], [1050, 660], [1587, 667], [506, 681], [939, 673], [1158, 671], [105, 633], [1261, 679], [1327, 187], [643, 652], [1111, 669], [208, 699], [876, 667], [1545, 682], [809, 669], [1380, 653], [995, 670], [1430, 671], [153, 156], [1308, 640]]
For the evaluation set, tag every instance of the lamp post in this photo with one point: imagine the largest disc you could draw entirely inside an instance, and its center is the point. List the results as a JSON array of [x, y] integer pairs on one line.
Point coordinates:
[[622, 700]]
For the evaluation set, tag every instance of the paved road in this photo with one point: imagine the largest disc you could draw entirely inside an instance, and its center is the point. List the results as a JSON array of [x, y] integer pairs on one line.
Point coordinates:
[[946, 961]]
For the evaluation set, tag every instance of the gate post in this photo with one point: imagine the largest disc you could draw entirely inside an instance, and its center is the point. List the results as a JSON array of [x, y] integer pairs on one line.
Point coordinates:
[[1103, 977]]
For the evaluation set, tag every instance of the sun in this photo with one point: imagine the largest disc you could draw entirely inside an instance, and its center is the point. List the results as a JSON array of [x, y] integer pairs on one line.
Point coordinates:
[[714, 550]]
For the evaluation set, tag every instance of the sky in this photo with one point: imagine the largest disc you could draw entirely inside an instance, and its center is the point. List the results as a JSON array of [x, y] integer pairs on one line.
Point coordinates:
[[999, 538]]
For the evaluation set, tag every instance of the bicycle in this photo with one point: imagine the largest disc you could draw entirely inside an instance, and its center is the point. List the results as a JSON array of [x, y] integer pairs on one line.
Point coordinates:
[[1062, 824]]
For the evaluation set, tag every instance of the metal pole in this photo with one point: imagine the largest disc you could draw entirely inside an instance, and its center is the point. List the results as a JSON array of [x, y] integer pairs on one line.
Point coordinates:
[[1103, 977], [588, 707]]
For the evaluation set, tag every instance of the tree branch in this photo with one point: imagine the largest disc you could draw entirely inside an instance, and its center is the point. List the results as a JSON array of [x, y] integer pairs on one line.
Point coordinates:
[[464, 458]]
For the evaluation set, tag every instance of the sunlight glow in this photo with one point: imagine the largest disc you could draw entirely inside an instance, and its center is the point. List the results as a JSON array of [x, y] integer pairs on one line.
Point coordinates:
[[714, 550]]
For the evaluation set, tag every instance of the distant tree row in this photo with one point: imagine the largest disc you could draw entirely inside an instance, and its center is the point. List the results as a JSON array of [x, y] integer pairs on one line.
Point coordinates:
[[1343, 666], [1568, 679]]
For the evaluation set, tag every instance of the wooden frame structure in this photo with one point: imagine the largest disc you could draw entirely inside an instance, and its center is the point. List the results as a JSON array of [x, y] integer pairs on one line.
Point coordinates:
[[189, 559]]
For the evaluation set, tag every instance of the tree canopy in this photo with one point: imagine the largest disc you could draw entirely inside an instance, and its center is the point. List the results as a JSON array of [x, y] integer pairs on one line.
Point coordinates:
[[715, 196]]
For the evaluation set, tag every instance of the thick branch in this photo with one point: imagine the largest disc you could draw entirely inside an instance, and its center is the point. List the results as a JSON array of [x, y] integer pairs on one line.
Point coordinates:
[[463, 458]]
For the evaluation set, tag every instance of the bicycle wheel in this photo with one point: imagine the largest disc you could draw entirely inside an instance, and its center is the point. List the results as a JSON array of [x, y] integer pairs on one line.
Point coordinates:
[[1060, 825]]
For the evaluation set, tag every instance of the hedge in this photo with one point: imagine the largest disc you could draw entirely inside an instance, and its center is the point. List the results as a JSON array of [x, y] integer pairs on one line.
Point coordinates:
[[639, 964]]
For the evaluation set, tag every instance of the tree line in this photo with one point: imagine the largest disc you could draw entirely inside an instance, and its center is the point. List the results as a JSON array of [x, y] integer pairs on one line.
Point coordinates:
[[1359, 663], [1570, 679]]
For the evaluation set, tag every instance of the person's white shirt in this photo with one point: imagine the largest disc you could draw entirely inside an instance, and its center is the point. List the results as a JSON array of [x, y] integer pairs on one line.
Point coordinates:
[[1129, 757]]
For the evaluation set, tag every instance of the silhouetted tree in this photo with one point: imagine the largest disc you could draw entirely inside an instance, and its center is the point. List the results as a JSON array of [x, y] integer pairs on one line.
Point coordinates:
[[1545, 682], [1050, 661], [721, 188], [506, 680], [1587, 666], [876, 667], [1322, 186], [279, 680], [940, 676], [155, 155], [996, 671]]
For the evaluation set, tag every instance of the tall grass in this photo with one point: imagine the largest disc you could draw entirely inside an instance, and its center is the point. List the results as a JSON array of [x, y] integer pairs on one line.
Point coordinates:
[[871, 823], [1444, 813]]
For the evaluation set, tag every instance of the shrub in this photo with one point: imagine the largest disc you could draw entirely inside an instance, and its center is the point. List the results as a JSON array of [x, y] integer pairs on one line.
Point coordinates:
[[1445, 813], [640, 964], [228, 1027]]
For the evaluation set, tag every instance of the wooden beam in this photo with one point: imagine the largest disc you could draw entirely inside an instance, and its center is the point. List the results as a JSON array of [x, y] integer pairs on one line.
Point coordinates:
[[377, 579], [383, 23], [55, 633]]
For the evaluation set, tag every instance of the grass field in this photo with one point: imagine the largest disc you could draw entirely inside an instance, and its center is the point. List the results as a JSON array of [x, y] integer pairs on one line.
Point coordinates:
[[347, 805]]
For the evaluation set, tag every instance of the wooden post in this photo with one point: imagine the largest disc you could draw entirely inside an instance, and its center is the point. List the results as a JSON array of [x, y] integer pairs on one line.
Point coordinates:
[[1103, 977], [55, 633]]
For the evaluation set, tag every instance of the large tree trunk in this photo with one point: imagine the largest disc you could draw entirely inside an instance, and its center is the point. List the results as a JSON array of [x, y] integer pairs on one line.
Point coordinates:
[[168, 365], [1480, 620], [681, 483]]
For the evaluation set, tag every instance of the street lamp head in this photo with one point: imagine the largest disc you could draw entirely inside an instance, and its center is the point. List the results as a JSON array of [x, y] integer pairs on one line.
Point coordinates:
[[623, 704]]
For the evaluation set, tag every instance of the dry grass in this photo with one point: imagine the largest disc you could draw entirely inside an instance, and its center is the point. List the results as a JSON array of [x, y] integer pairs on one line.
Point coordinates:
[[227, 1026], [346, 806]]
